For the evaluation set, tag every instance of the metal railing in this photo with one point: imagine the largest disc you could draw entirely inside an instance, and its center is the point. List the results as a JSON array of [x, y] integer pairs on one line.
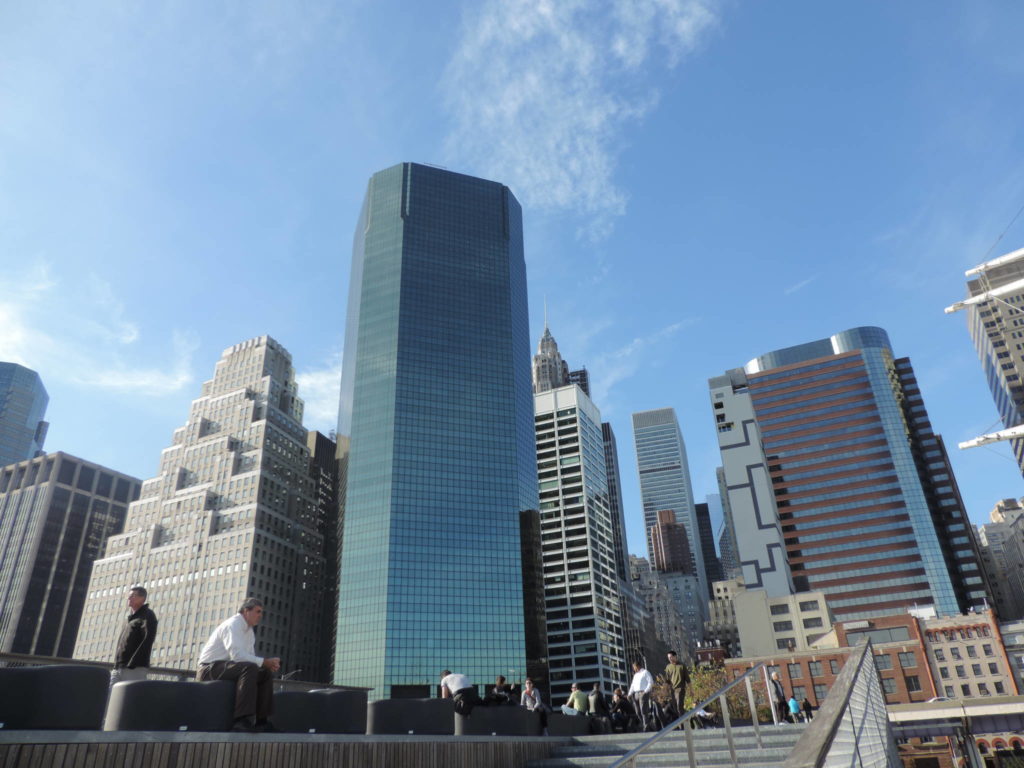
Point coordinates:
[[629, 759], [851, 729]]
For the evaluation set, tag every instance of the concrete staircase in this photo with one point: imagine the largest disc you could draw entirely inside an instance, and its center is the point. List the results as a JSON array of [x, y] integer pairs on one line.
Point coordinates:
[[710, 749]]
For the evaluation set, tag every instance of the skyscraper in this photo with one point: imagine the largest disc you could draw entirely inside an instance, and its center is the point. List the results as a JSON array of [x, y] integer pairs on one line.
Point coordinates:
[[23, 401], [668, 544], [997, 330], [231, 514], [550, 371], [836, 482], [56, 512], [712, 565], [727, 535], [611, 465], [665, 478], [437, 406], [584, 618]]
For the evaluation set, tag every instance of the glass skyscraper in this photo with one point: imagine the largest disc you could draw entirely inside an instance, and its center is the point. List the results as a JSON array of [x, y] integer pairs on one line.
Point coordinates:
[[23, 402], [665, 478], [437, 406]]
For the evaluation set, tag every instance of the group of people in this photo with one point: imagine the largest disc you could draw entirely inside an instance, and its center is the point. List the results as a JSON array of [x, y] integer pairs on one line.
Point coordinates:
[[626, 709], [789, 710], [229, 654]]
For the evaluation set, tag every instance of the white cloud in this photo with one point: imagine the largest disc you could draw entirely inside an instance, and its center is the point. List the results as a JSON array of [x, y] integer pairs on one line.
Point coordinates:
[[798, 286], [620, 364], [320, 389], [83, 336], [540, 91]]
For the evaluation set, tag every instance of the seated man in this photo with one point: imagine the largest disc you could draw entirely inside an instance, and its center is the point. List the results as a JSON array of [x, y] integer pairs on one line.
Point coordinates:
[[621, 710], [577, 703], [230, 654]]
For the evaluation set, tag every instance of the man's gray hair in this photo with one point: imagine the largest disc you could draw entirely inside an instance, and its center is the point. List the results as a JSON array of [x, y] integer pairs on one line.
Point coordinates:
[[250, 603]]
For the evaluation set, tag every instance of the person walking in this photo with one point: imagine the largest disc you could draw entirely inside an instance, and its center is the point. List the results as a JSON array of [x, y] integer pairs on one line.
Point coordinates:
[[779, 699], [639, 691], [678, 678]]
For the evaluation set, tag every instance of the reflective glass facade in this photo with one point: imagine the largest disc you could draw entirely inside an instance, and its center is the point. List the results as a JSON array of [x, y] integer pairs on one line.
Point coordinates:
[[23, 402], [665, 477], [437, 406]]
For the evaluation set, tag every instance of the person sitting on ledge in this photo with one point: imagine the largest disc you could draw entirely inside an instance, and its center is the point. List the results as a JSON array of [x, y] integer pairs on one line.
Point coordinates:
[[230, 654], [461, 690]]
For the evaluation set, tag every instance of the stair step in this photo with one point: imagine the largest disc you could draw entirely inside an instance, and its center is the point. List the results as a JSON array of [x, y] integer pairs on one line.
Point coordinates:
[[711, 749], [708, 757], [651, 761]]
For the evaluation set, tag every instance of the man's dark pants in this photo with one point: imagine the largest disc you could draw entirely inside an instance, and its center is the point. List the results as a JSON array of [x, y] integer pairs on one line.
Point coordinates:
[[254, 689], [678, 694]]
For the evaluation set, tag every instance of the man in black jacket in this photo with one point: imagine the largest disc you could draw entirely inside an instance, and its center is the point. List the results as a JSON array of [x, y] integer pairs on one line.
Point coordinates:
[[131, 660]]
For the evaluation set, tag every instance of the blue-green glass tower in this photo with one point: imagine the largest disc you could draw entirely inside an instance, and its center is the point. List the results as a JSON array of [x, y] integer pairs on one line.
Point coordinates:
[[23, 401], [437, 404]]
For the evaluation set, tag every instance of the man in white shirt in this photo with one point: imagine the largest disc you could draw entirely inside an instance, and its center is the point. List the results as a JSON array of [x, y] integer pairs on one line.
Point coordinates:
[[461, 689], [639, 690], [230, 654]]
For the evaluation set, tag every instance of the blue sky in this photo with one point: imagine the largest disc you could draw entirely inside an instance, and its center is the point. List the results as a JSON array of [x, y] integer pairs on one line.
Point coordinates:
[[702, 182]]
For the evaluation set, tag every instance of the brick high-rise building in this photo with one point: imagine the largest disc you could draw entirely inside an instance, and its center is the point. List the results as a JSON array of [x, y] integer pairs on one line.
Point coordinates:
[[668, 545], [837, 483]]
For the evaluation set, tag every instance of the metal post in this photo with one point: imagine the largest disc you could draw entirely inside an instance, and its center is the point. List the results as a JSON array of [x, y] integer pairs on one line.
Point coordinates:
[[724, 702], [688, 733], [753, 712]]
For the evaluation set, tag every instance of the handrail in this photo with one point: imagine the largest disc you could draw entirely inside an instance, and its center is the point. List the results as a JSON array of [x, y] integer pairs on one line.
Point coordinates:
[[815, 744], [630, 757]]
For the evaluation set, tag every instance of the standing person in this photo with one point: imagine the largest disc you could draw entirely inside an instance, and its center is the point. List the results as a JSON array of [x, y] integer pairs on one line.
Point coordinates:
[[678, 677], [779, 699], [639, 690], [135, 642], [461, 690], [808, 710], [230, 654], [794, 709]]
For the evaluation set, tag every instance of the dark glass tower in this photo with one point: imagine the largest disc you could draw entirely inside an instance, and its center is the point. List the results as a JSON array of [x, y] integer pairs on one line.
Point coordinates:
[[23, 402], [437, 403]]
